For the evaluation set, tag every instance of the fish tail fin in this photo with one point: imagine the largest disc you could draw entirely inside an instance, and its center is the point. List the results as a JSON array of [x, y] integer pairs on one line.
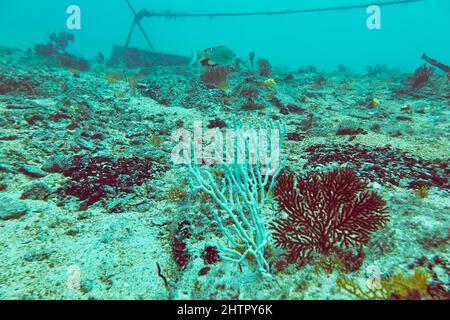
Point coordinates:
[[195, 57]]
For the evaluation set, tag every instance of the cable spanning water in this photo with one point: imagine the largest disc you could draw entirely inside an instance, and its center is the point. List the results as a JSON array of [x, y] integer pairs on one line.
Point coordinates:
[[169, 14], [172, 15]]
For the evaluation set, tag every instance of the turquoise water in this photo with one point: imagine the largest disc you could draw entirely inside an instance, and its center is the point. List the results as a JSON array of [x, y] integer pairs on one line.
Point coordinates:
[[324, 39]]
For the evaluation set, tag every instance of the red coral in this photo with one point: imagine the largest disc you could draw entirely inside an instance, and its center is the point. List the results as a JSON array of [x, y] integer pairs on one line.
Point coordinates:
[[180, 252], [264, 67], [421, 77], [325, 211], [210, 255], [214, 76]]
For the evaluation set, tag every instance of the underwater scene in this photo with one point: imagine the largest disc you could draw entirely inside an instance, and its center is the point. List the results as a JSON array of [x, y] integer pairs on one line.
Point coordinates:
[[224, 150]]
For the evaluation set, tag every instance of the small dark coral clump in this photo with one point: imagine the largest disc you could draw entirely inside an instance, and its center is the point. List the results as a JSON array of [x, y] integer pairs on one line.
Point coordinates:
[[45, 50], [157, 91], [58, 42], [20, 84], [96, 178], [248, 89], [71, 62], [326, 212], [55, 49], [210, 255], [384, 165], [251, 105], [217, 123], [61, 40], [180, 254], [421, 77], [376, 70], [351, 258], [265, 68], [216, 76], [204, 271], [350, 131], [295, 136]]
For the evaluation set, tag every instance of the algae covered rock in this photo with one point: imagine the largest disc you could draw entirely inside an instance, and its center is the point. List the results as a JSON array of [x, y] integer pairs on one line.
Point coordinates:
[[12, 208], [31, 171], [36, 191]]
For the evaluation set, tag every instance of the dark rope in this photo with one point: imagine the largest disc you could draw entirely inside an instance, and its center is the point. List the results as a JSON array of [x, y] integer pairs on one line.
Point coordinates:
[[169, 14], [138, 16]]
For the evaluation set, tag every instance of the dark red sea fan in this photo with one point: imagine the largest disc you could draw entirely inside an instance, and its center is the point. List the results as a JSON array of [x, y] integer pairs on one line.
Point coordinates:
[[214, 76], [180, 252], [325, 211], [421, 77]]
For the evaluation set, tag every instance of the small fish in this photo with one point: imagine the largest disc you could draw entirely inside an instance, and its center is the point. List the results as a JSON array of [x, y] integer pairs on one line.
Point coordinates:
[[269, 83], [217, 56]]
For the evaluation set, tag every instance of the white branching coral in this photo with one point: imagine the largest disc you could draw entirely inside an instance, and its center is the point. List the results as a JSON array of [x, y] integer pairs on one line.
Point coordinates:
[[251, 162]]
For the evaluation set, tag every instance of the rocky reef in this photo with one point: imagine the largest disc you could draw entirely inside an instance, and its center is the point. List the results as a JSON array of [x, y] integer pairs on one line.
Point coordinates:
[[87, 181]]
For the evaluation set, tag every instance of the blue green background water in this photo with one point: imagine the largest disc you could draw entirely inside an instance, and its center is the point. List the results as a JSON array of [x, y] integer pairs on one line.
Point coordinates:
[[322, 39]]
